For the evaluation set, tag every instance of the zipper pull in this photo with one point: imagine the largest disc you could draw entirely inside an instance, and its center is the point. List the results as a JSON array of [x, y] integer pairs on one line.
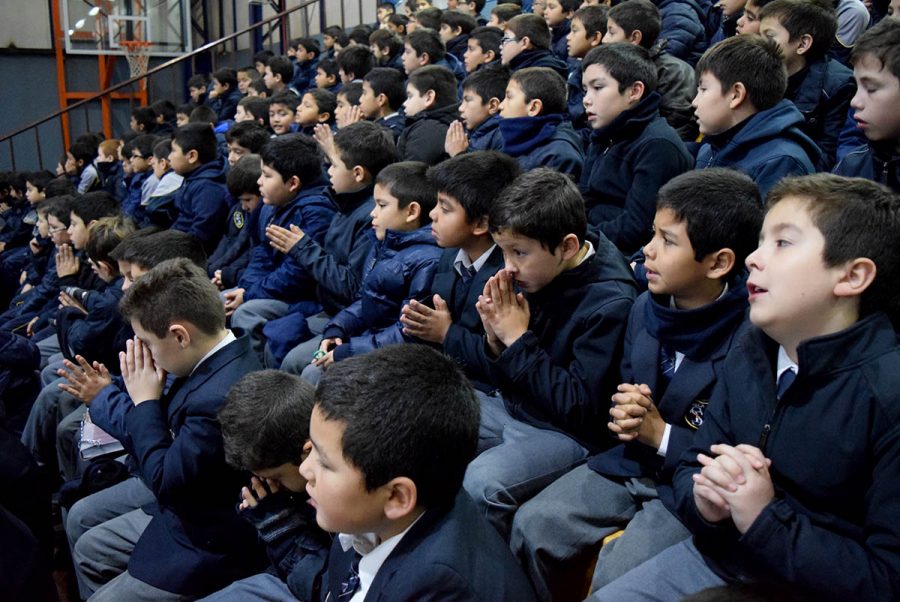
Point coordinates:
[[767, 428]]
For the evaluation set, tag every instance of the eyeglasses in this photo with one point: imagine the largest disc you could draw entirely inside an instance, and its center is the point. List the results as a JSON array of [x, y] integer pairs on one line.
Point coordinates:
[[504, 41], [53, 230], [139, 157]]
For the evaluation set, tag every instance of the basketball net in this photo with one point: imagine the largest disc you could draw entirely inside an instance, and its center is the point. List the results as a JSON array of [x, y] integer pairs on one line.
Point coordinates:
[[138, 54]]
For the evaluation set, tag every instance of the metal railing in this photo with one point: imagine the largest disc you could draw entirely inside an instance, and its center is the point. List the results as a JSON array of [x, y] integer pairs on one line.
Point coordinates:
[[83, 104]]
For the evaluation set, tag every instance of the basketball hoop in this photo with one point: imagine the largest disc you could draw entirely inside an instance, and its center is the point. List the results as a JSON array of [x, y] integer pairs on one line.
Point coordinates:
[[138, 54]]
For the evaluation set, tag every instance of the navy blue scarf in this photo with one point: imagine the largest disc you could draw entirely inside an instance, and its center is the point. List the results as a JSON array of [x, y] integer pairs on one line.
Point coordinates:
[[521, 135]]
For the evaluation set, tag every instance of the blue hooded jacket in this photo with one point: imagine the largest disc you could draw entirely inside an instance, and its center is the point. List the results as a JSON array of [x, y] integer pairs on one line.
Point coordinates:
[[543, 141], [202, 204], [873, 161], [538, 57], [683, 24], [558, 42], [487, 135]]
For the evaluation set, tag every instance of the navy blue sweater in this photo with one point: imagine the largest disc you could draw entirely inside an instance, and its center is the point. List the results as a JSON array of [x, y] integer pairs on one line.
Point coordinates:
[[201, 204], [543, 141]]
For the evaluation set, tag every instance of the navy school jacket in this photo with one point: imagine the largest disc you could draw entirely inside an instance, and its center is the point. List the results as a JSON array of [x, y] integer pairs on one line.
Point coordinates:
[[398, 268], [455, 65], [543, 141], [16, 232], [575, 99], [834, 443], [561, 373], [676, 84], [559, 45], [683, 24], [769, 146], [201, 204], [874, 161], [627, 163], [538, 57], [233, 252], [226, 106], [305, 75], [450, 553], [270, 273], [132, 201], [196, 543], [457, 47], [425, 133], [487, 135], [395, 124], [92, 334]]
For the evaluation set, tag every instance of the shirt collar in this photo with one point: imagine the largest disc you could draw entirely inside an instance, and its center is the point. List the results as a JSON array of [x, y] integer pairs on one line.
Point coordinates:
[[590, 251], [785, 363], [228, 338], [462, 260], [373, 553]]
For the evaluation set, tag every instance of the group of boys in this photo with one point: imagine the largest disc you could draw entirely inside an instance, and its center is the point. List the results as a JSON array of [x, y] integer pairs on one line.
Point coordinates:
[[513, 336]]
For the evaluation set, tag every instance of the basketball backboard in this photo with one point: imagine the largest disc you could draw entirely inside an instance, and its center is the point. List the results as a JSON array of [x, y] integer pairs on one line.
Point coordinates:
[[99, 26]]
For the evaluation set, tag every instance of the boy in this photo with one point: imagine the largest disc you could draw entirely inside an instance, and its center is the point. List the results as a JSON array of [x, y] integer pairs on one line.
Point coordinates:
[[454, 31], [306, 55], [502, 14], [675, 345], [327, 77], [748, 23], [245, 75], [526, 43], [467, 187], [482, 48], [194, 543], [558, 15], [876, 67], [282, 110], [820, 87], [197, 87], [758, 498], [552, 351], [317, 106], [279, 72], [183, 113], [143, 120], [346, 106], [259, 61], [479, 113], [228, 261], [354, 63], [400, 267], [265, 429], [80, 163], [160, 207], [387, 49], [430, 107], [741, 112], [682, 24], [200, 202], [246, 138], [420, 49], [137, 152], [252, 108], [638, 23], [397, 24], [383, 94], [633, 150], [294, 192], [414, 533], [225, 93], [586, 32], [534, 127]]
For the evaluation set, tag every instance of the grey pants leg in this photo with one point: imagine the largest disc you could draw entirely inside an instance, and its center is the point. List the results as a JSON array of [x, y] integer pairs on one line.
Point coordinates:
[[126, 587], [68, 433], [299, 357], [253, 315], [264, 587], [50, 407], [102, 553]]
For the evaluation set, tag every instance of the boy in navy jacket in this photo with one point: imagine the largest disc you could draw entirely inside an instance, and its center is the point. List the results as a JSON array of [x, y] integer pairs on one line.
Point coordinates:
[[551, 351], [534, 126], [677, 338], [383, 94], [188, 541], [819, 86], [227, 263], [633, 150], [399, 268], [201, 201], [526, 43], [478, 127], [430, 108], [467, 187], [741, 112], [558, 15], [753, 487], [406, 529], [587, 31]]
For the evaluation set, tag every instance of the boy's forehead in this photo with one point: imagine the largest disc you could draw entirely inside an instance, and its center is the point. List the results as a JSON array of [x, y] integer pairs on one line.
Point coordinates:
[[446, 197]]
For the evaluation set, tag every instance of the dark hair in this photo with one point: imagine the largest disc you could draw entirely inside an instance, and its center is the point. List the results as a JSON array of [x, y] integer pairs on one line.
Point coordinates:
[[426, 430], [143, 144], [427, 41], [455, 18], [800, 17], [226, 77], [881, 42], [398, 20], [85, 149], [474, 180], [752, 61], [352, 92], [124, 247], [151, 250], [407, 181], [728, 214], [176, 290], [638, 15], [309, 45], [199, 137], [437, 78], [386, 6], [185, 109], [248, 134], [59, 186], [94, 205], [243, 175], [360, 35], [144, 116], [593, 18], [507, 11], [265, 420], [333, 31], [387, 41], [479, 4], [259, 86], [164, 108], [541, 204], [256, 106], [198, 80], [625, 63], [104, 236], [532, 27], [40, 179], [429, 18], [263, 57], [544, 84], [285, 98], [356, 61], [342, 40], [365, 144], [387, 81], [162, 148], [294, 155], [326, 102], [488, 39], [59, 207], [281, 66], [857, 218], [328, 66], [569, 6], [488, 83], [203, 115]]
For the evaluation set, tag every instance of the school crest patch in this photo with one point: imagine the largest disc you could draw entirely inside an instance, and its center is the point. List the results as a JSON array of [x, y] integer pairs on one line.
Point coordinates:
[[238, 219], [694, 415]]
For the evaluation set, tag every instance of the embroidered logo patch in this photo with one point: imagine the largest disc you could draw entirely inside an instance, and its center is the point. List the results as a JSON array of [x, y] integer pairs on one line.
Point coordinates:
[[694, 415], [238, 218]]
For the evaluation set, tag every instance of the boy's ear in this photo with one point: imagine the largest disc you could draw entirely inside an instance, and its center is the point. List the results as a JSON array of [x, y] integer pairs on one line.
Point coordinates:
[[403, 497], [182, 335], [596, 39], [636, 92], [294, 184], [806, 41], [424, 59], [635, 37], [493, 105], [721, 263], [324, 117], [359, 173], [570, 246], [535, 107], [481, 226], [737, 95], [526, 42], [491, 54], [193, 156], [413, 212], [430, 96], [858, 275], [382, 100]]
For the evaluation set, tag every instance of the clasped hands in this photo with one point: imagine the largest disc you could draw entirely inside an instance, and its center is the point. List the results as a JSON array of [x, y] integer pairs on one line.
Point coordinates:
[[504, 313]]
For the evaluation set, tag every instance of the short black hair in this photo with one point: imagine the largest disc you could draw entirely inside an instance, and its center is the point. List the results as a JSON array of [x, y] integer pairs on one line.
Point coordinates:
[[801, 17], [352, 92], [333, 31], [638, 15], [507, 11], [185, 109], [881, 42], [282, 66], [226, 77], [426, 430], [294, 155], [162, 148], [475, 180], [143, 143], [366, 144], [243, 175], [593, 18], [356, 61], [40, 179], [488, 39], [545, 84], [265, 420], [257, 107], [541, 204], [326, 101], [488, 83], [198, 80], [456, 18], [59, 207], [429, 18], [728, 214], [387, 81], [530, 26], [248, 134], [151, 250], [145, 117], [164, 108], [569, 6], [204, 115], [118, 253], [309, 45], [387, 41], [199, 137], [263, 57], [857, 218], [94, 205], [328, 66], [625, 63], [408, 182], [398, 20], [285, 98], [360, 34], [59, 186], [479, 4], [85, 149], [259, 86], [427, 41], [751, 60], [437, 78]]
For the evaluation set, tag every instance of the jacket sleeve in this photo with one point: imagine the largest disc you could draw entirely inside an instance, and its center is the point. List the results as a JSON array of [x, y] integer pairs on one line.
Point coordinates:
[[109, 408], [341, 280], [834, 118], [426, 143], [346, 322], [210, 211], [768, 174]]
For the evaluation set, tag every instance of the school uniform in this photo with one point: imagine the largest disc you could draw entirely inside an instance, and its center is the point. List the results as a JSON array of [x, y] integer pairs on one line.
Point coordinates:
[[458, 46], [876, 161], [487, 135], [558, 42], [676, 85], [233, 252], [543, 141], [305, 75], [394, 123], [682, 23], [201, 204], [424, 135], [134, 188], [539, 57]]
